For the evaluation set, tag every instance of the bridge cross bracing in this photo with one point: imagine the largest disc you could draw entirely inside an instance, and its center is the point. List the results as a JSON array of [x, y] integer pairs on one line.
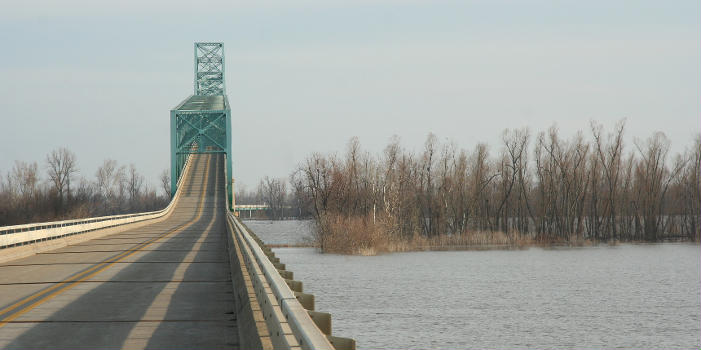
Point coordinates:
[[209, 69], [202, 122]]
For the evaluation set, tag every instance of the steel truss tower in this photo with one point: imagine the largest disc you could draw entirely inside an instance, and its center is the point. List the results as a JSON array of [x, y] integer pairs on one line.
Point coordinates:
[[209, 69], [202, 122]]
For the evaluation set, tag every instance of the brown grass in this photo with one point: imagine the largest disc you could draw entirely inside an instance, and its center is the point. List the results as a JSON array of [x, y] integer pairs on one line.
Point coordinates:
[[360, 236]]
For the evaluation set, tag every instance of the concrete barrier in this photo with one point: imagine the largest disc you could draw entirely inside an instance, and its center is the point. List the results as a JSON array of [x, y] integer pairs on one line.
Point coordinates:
[[289, 313], [322, 320], [253, 330]]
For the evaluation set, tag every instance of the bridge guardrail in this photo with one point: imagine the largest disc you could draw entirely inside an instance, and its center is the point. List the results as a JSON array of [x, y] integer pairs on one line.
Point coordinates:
[[289, 323], [16, 235]]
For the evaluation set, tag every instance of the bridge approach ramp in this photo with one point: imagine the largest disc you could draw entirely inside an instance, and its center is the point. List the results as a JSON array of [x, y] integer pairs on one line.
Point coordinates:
[[163, 285]]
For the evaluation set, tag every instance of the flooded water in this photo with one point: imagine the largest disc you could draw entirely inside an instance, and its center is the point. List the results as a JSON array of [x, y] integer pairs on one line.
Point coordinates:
[[626, 296], [288, 232]]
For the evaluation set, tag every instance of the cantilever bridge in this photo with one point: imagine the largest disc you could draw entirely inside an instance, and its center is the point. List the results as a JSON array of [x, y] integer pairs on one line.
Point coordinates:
[[190, 276]]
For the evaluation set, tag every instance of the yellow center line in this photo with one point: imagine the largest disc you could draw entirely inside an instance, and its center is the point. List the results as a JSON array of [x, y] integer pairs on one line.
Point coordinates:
[[58, 284], [81, 277]]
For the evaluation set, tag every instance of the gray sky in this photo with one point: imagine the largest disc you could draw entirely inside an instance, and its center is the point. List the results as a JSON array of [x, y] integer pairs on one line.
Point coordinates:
[[100, 78]]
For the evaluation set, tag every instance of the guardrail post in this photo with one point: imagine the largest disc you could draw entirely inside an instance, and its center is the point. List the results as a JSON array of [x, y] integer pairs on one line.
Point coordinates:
[[307, 300], [279, 293], [341, 343], [295, 286], [322, 320], [286, 274]]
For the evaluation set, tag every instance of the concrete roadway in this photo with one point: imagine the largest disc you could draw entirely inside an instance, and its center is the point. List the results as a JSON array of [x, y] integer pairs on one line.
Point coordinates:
[[162, 286]]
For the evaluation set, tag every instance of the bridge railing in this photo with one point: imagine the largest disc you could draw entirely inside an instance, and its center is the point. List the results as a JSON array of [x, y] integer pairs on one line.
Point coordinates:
[[239, 207], [16, 235], [289, 324]]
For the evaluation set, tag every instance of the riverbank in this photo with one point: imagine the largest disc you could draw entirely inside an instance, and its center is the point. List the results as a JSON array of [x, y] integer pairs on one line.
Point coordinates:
[[447, 247], [472, 241], [359, 236], [402, 247]]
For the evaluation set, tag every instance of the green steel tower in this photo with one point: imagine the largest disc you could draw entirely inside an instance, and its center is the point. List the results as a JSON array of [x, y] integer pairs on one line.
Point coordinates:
[[202, 122]]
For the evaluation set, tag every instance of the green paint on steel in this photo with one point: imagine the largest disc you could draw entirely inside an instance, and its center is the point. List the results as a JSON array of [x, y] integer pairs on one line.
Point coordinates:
[[202, 122], [209, 69]]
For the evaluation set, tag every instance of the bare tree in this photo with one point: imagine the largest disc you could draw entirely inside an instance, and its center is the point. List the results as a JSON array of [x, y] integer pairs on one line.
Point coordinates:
[[23, 179], [654, 179], [135, 183], [689, 191], [426, 189], [104, 176], [511, 170], [610, 152], [274, 192], [480, 179], [24, 198], [165, 182], [570, 191], [112, 186], [61, 165]]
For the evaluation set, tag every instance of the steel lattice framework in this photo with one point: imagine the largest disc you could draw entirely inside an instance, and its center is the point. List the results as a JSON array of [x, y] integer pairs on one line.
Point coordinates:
[[202, 122], [209, 69]]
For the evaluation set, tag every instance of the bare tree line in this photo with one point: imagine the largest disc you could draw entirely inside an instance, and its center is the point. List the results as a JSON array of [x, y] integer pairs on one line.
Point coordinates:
[[26, 197], [546, 188], [273, 192]]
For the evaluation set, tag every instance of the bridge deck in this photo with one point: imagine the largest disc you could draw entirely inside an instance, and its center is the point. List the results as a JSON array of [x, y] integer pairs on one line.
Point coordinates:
[[165, 285]]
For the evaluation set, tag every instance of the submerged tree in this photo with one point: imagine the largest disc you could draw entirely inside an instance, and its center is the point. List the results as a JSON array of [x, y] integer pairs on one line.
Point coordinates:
[[554, 190]]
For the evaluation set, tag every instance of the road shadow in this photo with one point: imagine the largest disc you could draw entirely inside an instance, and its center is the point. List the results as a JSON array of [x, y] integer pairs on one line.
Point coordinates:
[[106, 315]]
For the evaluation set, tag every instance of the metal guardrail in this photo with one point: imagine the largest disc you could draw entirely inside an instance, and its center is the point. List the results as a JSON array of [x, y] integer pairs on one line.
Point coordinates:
[[16, 235]]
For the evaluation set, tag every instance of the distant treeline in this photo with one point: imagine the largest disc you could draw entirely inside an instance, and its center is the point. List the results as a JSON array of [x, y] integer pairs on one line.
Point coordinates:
[[26, 196], [541, 189], [273, 192]]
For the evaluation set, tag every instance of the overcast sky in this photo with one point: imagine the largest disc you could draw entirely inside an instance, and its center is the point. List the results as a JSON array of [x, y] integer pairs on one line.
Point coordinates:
[[100, 77]]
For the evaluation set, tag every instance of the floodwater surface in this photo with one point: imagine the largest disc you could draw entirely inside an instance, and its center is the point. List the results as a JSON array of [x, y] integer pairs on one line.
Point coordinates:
[[626, 296]]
